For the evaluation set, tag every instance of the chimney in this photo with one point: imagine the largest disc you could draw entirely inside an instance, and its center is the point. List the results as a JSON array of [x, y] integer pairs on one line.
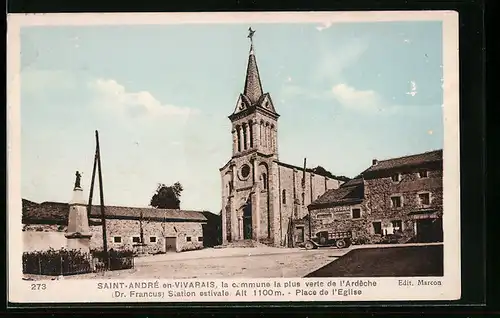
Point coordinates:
[[374, 162]]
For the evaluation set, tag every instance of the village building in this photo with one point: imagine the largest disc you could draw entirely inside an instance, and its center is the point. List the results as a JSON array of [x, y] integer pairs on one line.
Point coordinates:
[[261, 194], [402, 196], [143, 230]]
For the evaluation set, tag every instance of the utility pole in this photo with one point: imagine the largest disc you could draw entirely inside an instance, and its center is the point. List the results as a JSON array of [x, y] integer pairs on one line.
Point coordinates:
[[91, 193], [304, 196], [101, 190]]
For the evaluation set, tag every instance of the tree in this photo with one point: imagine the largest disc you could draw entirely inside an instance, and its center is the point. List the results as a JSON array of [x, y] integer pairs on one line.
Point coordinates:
[[167, 197], [323, 172]]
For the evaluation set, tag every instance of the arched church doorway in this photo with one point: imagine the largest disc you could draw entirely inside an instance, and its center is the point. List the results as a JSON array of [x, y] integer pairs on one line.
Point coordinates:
[[247, 222]]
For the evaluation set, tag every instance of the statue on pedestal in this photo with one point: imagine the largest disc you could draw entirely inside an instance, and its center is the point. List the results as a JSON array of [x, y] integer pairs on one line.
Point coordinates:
[[78, 180]]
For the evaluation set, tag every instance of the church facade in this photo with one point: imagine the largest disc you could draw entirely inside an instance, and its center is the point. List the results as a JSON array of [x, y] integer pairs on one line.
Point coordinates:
[[261, 196]]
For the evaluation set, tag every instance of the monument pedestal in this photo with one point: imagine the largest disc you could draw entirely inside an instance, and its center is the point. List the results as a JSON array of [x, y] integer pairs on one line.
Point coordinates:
[[78, 232]]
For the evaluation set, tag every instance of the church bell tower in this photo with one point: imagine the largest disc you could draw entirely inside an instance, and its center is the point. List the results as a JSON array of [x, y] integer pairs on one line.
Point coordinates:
[[254, 120], [248, 180]]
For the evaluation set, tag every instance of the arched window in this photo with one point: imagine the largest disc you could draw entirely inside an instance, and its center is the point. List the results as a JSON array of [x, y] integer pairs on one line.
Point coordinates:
[[238, 136], [283, 196], [264, 181], [250, 125], [245, 136], [303, 198]]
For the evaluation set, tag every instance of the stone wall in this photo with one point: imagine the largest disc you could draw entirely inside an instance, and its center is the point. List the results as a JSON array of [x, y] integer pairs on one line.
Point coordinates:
[[378, 193], [340, 218], [298, 198], [43, 237], [189, 235]]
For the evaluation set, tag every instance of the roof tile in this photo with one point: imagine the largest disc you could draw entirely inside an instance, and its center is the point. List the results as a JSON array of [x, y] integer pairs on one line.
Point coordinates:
[[411, 160], [349, 192], [57, 212]]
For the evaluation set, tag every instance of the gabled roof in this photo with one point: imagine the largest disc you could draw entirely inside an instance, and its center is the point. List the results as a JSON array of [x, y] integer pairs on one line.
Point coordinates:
[[57, 212], [407, 161], [350, 192]]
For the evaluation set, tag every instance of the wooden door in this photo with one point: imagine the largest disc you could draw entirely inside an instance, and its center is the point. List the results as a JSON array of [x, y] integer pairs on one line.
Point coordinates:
[[170, 244]]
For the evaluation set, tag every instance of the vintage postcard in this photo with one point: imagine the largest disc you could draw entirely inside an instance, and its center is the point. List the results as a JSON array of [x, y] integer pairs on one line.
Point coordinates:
[[233, 157]]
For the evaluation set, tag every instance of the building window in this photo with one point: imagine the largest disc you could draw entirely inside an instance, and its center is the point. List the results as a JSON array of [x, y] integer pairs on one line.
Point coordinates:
[[188, 238], [245, 137], [397, 225], [245, 171], [136, 239], [264, 181], [423, 174], [117, 239], [356, 213], [323, 215], [230, 186], [200, 238], [250, 126], [283, 194], [303, 198], [396, 202], [396, 177], [424, 199], [238, 137], [377, 227], [152, 239]]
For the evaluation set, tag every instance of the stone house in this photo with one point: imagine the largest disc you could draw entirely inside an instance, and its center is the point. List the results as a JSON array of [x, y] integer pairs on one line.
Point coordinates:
[[406, 195], [143, 230], [260, 193], [336, 210], [401, 196]]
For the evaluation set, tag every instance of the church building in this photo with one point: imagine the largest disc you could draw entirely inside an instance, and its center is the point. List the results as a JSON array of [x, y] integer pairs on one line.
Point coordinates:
[[261, 195]]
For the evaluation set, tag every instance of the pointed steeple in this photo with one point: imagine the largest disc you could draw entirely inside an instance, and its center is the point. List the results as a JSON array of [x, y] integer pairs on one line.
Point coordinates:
[[253, 86]]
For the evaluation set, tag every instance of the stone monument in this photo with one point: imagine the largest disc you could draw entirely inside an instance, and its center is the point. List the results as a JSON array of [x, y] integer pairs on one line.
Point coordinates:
[[78, 232]]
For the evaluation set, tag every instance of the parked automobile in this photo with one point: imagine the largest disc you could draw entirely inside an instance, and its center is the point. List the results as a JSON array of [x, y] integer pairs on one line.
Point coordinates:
[[329, 239]]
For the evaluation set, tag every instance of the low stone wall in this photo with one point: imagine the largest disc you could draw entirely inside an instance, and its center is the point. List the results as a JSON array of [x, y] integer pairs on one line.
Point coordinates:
[[42, 241]]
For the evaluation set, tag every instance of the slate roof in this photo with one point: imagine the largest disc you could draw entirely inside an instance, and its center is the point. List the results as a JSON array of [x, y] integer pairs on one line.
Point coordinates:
[[253, 86], [407, 161], [350, 192], [57, 212]]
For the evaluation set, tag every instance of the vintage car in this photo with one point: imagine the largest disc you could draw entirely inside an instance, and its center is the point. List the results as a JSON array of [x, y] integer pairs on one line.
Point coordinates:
[[329, 239]]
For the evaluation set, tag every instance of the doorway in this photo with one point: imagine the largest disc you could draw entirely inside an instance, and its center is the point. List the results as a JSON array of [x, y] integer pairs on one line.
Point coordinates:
[[429, 230], [247, 222], [299, 234], [170, 244]]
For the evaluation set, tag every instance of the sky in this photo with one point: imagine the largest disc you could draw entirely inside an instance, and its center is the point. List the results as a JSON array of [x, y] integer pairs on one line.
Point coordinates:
[[159, 95]]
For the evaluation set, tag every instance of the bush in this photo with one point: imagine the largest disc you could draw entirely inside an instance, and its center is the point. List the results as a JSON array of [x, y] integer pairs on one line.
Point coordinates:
[[376, 239], [361, 239], [118, 259], [389, 239], [56, 262]]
